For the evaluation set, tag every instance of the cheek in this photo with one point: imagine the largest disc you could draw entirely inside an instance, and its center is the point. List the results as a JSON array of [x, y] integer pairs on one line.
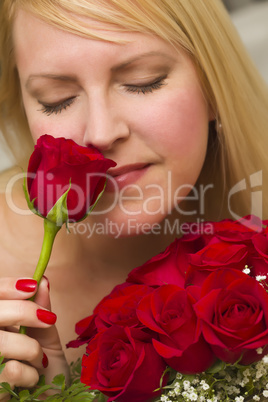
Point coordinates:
[[55, 126], [58, 125], [177, 123], [179, 134]]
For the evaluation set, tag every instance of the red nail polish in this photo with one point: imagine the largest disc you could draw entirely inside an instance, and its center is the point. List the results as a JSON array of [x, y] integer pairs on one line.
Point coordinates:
[[26, 285], [45, 360], [46, 316], [48, 284]]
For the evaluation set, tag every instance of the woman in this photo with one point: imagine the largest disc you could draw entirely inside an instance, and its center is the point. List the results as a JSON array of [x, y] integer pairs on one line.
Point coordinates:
[[166, 90]]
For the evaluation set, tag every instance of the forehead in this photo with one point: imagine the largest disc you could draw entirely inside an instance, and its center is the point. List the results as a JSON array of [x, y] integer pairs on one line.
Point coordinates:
[[37, 41], [86, 27]]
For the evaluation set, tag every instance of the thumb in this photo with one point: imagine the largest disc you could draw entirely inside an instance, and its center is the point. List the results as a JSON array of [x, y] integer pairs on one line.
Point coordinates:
[[42, 297]]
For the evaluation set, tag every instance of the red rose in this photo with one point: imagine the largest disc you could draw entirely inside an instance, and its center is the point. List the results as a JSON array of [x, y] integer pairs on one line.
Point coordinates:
[[169, 266], [57, 162], [233, 309], [86, 329], [168, 311], [120, 309], [118, 362], [215, 255], [260, 243], [238, 231], [258, 261]]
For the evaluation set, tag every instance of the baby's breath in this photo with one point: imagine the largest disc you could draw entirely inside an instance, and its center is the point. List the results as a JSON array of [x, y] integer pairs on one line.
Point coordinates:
[[224, 383]]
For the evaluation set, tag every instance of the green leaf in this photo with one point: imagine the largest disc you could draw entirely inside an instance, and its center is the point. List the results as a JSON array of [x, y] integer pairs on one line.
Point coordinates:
[[75, 370], [97, 200], [42, 381], [95, 203], [77, 392], [1, 358], [59, 212], [101, 398], [24, 395], [216, 367], [7, 388], [59, 381], [2, 365], [29, 202], [40, 391]]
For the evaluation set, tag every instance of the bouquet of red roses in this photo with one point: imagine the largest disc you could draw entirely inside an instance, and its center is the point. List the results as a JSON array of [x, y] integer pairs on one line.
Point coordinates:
[[191, 324]]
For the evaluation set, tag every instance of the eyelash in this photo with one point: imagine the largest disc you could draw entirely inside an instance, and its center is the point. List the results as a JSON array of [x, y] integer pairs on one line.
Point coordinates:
[[144, 89], [55, 109]]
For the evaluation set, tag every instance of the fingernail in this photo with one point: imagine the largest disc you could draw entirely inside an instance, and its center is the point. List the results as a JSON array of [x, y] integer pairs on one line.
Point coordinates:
[[45, 360], [46, 316], [48, 284], [26, 285]]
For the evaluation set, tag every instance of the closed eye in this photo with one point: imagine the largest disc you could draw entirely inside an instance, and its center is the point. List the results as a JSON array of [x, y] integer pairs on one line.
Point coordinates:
[[50, 109], [148, 88]]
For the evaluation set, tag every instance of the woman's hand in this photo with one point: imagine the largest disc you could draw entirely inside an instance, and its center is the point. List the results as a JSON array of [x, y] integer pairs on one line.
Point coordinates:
[[38, 352]]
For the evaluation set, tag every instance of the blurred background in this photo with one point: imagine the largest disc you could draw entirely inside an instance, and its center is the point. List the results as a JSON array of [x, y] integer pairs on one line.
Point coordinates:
[[251, 20]]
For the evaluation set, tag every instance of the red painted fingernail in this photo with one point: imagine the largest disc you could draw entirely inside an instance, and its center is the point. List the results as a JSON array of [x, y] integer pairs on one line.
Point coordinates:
[[46, 316], [26, 285], [45, 360], [48, 284]]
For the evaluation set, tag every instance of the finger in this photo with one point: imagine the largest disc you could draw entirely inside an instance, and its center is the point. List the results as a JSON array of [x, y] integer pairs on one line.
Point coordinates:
[[48, 338], [15, 289], [4, 397], [42, 297], [51, 345], [21, 347], [18, 374], [26, 313]]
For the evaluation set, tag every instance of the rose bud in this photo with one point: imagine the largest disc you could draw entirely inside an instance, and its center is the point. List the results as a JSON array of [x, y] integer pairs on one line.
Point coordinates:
[[64, 183], [64, 179]]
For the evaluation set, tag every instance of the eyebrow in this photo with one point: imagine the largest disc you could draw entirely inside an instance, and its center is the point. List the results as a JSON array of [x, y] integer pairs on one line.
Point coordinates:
[[140, 57], [55, 77], [121, 66]]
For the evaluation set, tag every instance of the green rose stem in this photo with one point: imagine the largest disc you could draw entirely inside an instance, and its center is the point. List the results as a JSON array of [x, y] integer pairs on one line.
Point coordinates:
[[57, 216], [50, 231]]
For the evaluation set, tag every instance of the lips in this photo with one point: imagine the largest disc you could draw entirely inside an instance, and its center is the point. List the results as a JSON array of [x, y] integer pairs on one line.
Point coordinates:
[[119, 171], [126, 175]]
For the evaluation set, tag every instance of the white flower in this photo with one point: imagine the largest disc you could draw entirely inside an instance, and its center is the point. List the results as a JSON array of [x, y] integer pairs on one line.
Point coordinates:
[[256, 398], [260, 278], [265, 393], [193, 396], [186, 384], [177, 391], [205, 386], [259, 351], [239, 399], [164, 398], [265, 359], [246, 270]]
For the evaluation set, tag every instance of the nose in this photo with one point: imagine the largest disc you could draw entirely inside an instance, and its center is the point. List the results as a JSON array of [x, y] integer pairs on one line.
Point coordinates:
[[105, 124]]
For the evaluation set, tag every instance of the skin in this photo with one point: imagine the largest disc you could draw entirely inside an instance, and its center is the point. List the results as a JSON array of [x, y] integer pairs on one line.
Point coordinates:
[[139, 103]]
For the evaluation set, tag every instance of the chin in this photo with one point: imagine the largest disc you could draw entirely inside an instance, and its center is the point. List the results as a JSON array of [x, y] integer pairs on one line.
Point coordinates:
[[117, 224]]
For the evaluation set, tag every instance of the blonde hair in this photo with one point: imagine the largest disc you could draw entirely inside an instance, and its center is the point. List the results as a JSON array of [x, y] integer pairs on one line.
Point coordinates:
[[232, 85]]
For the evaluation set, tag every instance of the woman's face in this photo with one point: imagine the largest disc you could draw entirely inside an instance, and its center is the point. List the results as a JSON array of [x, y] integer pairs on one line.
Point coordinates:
[[140, 103]]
